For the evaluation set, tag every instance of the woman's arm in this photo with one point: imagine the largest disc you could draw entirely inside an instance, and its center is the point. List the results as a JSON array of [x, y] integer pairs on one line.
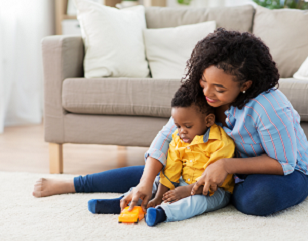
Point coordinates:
[[173, 169], [144, 189], [155, 160], [215, 174], [159, 147], [257, 165], [275, 118], [157, 200], [152, 168]]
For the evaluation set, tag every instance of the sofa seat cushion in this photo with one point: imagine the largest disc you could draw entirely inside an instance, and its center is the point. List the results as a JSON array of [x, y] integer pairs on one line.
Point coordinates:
[[119, 96], [147, 96], [296, 91]]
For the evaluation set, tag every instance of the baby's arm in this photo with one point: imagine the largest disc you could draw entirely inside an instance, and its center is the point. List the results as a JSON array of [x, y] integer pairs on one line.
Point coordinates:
[[159, 196], [180, 193]]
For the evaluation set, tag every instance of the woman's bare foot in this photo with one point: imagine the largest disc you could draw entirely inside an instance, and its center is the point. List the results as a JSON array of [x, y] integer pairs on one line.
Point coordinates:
[[46, 187]]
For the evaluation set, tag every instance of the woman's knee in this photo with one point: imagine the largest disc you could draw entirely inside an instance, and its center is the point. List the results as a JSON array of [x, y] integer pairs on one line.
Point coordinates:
[[262, 195], [259, 201]]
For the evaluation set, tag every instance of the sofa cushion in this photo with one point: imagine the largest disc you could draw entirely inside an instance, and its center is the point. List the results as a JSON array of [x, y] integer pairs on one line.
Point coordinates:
[[302, 72], [238, 18], [296, 91], [119, 96], [285, 32], [113, 40], [148, 97], [162, 47]]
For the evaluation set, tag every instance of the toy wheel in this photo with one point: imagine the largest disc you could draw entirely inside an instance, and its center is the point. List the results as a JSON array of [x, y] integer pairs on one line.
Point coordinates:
[[119, 222], [137, 221]]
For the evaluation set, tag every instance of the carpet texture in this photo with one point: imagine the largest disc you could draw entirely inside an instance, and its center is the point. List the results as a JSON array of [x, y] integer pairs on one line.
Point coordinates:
[[66, 217]]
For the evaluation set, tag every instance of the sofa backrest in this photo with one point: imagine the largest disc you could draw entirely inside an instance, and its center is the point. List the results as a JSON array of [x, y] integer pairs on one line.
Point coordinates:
[[285, 32], [238, 18]]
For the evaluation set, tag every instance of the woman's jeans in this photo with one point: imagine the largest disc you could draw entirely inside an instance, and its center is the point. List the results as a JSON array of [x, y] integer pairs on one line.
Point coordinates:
[[258, 195]]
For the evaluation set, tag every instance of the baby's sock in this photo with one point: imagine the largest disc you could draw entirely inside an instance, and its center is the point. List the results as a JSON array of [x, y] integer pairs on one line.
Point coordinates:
[[105, 206], [155, 216]]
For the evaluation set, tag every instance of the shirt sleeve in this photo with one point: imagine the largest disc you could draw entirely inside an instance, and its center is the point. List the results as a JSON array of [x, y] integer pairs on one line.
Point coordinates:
[[171, 173], [159, 147], [276, 130]]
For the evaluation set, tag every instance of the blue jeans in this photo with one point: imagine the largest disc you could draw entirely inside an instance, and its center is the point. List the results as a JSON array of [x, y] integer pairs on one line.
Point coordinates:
[[259, 195], [262, 194], [194, 205], [190, 206]]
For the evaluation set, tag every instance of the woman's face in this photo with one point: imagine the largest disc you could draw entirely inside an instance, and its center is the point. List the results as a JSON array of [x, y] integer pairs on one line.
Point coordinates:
[[219, 88]]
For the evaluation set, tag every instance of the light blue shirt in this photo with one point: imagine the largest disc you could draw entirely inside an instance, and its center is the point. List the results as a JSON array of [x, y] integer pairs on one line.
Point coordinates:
[[266, 124]]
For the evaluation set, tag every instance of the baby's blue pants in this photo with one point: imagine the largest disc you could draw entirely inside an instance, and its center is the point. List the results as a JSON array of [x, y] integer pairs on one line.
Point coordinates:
[[190, 206], [195, 205]]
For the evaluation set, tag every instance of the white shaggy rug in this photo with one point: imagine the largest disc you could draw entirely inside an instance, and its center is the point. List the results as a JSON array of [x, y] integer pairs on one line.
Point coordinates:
[[66, 217]]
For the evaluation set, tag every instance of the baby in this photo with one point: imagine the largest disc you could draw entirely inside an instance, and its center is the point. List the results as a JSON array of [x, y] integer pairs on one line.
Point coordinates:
[[196, 143]]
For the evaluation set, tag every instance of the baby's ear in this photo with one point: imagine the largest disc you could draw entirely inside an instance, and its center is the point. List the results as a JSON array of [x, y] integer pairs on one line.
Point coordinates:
[[210, 120]]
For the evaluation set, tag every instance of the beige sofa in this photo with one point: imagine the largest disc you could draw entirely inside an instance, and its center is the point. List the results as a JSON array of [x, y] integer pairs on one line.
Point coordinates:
[[129, 111]]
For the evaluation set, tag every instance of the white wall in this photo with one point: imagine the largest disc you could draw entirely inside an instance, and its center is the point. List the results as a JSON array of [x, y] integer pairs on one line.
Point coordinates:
[[23, 23]]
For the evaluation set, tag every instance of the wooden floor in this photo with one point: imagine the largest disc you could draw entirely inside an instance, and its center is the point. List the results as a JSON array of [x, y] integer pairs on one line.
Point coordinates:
[[23, 149]]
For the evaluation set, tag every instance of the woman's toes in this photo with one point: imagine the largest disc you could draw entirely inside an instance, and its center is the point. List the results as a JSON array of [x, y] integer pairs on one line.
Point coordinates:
[[37, 192]]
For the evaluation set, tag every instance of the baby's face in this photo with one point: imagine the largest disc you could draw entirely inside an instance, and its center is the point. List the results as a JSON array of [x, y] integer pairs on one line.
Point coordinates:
[[189, 121]]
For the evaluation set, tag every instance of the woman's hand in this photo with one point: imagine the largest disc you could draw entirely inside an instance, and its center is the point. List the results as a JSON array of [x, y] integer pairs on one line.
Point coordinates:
[[143, 190], [213, 176]]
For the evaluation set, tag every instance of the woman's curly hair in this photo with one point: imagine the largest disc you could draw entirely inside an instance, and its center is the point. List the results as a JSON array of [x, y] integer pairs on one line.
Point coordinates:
[[242, 55]]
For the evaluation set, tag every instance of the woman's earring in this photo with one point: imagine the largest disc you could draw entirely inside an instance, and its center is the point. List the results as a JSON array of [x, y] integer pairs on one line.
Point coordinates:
[[244, 92]]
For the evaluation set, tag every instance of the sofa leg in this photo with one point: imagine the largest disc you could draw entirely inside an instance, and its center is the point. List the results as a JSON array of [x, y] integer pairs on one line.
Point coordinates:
[[122, 158], [55, 158]]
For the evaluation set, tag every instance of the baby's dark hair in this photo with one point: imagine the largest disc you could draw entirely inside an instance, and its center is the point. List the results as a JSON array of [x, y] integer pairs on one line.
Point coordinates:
[[182, 98], [242, 55]]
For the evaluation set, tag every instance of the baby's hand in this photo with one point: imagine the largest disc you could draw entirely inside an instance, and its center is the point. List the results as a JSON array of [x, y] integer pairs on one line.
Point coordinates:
[[154, 202]]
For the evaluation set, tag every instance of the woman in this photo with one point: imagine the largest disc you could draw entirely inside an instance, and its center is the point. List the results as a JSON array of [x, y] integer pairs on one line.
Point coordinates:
[[236, 74]]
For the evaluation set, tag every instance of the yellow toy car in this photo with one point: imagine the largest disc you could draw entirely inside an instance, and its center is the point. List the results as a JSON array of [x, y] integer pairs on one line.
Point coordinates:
[[134, 216]]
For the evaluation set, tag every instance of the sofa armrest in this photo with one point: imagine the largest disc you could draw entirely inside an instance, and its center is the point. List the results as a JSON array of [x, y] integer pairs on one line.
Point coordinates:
[[62, 58]]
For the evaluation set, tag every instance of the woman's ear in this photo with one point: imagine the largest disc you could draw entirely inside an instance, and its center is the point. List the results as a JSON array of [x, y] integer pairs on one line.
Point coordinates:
[[246, 85], [210, 120]]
